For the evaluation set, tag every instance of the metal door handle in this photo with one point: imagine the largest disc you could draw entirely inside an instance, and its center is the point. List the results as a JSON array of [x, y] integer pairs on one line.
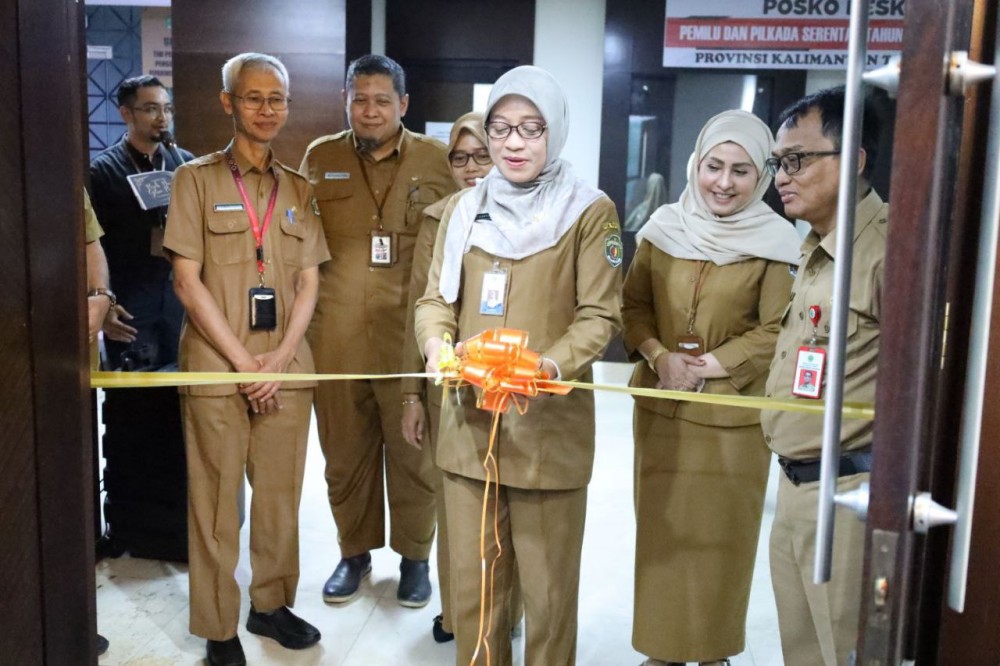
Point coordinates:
[[846, 205], [979, 341]]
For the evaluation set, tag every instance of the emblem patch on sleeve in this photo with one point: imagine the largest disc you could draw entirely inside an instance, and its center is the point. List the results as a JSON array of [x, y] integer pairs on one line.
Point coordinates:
[[613, 249]]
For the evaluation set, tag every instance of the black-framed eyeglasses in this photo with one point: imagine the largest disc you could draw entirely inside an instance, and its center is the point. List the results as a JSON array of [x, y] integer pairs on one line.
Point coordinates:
[[256, 102], [460, 159], [792, 162], [532, 129], [156, 110]]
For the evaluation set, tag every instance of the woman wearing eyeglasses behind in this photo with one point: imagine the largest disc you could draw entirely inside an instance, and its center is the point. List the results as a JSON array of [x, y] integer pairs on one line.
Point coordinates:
[[470, 160], [703, 301], [531, 247]]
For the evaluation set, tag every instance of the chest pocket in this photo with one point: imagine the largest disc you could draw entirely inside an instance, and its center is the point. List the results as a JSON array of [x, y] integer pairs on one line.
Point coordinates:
[[229, 239], [418, 197], [293, 241], [334, 190]]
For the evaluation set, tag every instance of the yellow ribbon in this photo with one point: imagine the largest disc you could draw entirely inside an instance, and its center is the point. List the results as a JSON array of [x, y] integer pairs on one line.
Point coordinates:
[[109, 380]]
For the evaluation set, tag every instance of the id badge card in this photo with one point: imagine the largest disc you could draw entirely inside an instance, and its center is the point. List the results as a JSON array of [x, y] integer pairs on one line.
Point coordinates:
[[491, 302], [263, 309], [810, 362], [692, 345], [383, 250]]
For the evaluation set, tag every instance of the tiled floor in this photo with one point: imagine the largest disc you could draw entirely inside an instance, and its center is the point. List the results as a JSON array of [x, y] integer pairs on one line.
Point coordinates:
[[142, 604]]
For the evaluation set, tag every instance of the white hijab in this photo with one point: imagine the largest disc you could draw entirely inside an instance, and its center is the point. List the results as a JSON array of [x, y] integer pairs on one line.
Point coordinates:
[[688, 229], [517, 220]]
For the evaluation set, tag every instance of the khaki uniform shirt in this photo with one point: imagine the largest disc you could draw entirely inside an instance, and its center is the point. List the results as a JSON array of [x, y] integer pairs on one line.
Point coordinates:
[[360, 315], [800, 436], [423, 253], [568, 299], [93, 228], [737, 314], [208, 225]]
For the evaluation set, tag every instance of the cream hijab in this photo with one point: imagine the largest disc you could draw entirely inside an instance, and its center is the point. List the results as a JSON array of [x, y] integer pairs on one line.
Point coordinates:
[[517, 220], [689, 230]]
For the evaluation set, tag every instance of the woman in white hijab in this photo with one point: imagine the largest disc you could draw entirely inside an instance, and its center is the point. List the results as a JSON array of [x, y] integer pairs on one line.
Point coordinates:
[[703, 301], [531, 247]]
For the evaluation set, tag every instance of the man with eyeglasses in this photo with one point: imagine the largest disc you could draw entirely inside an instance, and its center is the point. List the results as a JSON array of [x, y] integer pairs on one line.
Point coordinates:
[[372, 184], [246, 245], [819, 623], [143, 328]]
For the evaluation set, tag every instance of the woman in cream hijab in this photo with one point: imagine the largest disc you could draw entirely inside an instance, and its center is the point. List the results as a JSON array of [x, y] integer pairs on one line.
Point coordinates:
[[530, 247], [703, 301]]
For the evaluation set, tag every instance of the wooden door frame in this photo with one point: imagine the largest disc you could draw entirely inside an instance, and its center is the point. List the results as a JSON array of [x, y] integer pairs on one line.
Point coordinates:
[[41, 260]]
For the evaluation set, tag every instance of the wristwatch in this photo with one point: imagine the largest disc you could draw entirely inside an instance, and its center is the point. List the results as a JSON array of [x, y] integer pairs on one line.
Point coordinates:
[[101, 291]]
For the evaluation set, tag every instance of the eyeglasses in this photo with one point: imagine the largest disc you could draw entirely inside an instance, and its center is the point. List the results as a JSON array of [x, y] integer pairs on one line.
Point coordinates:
[[792, 162], [497, 129], [480, 157], [156, 110], [256, 102]]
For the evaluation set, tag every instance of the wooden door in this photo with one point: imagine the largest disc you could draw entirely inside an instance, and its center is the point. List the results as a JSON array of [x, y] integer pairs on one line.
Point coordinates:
[[938, 186], [46, 506]]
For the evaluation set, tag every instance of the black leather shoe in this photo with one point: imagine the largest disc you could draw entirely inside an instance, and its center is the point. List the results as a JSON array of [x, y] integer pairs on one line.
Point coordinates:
[[343, 584], [414, 583], [282, 625], [226, 653], [440, 635], [102, 645]]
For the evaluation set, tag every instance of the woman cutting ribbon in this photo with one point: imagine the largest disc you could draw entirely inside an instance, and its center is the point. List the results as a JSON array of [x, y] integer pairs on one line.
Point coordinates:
[[548, 247]]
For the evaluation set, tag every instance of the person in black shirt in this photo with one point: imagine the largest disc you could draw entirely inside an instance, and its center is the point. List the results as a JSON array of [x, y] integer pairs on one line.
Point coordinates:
[[143, 330]]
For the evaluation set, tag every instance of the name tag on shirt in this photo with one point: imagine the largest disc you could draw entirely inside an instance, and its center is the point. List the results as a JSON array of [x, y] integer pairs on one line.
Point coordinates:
[[336, 175], [491, 301], [228, 208]]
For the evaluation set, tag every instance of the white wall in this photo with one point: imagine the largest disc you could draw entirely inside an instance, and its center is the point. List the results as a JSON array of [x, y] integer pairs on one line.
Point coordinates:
[[569, 42], [378, 27]]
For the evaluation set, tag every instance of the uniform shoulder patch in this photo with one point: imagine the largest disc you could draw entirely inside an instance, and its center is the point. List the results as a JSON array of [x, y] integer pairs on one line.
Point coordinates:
[[614, 251]]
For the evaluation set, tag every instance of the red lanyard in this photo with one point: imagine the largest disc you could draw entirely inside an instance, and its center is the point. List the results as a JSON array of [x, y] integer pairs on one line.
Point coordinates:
[[258, 230]]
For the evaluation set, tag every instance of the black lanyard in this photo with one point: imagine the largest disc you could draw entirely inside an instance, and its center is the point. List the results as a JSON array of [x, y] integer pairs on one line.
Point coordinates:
[[379, 205]]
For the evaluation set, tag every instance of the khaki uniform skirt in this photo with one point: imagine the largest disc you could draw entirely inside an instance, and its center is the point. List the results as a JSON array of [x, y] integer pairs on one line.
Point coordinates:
[[699, 495]]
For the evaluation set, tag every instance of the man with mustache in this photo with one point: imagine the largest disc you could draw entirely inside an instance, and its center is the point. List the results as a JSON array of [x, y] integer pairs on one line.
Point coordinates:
[[372, 184]]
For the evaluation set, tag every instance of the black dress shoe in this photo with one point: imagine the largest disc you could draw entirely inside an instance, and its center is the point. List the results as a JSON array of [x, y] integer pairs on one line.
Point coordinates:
[[343, 584], [282, 625], [440, 635], [226, 653], [102, 645], [414, 583]]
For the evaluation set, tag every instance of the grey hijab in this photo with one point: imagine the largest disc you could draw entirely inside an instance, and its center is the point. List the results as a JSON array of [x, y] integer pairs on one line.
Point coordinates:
[[516, 220]]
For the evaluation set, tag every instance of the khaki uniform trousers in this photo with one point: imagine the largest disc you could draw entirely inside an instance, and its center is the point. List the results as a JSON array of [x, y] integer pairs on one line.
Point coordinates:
[[543, 531], [443, 552], [818, 623], [360, 433], [223, 439]]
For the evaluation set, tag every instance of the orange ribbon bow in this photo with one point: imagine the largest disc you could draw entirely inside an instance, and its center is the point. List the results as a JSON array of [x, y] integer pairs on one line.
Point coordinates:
[[499, 362]]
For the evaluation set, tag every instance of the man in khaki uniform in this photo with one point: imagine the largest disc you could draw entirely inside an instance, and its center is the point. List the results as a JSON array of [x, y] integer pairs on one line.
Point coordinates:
[[372, 183], [245, 245], [819, 623]]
